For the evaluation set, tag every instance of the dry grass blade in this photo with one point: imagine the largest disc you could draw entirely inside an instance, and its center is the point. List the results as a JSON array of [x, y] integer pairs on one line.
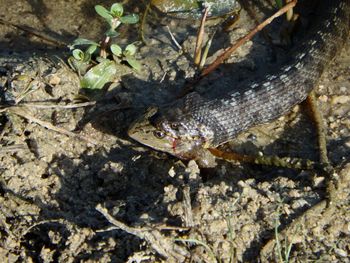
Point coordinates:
[[36, 33], [227, 53], [164, 246], [58, 106], [22, 113], [198, 49], [12, 148]]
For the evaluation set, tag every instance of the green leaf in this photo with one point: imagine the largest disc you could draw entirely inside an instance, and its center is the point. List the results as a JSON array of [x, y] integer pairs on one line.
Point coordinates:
[[133, 63], [112, 33], [130, 50], [91, 49], [117, 10], [87, 57], [82, 42], [78, 54], [101, 59], [103, 12], [130, 19], [99, 75], [79, 66], [279, 3], [116, 50]]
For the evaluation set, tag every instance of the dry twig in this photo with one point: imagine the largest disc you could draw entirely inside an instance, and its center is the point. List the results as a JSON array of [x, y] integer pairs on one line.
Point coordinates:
[[49, 106], [163, 245], [226, 54], [22, 113], [59, 106], [36, 33], [174, 39], [12, 148]]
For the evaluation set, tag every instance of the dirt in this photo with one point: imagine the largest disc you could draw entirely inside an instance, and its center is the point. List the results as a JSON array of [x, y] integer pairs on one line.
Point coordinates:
[[75, 188]]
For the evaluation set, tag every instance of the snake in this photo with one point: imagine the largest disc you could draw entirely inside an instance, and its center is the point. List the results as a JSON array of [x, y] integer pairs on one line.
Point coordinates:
[[189, 126]]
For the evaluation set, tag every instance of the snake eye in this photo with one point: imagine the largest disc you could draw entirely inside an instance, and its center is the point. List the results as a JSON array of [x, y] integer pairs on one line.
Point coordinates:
[[159, 134]]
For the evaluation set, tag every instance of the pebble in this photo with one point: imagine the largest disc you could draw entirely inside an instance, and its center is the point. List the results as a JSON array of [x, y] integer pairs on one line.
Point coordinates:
[[317, 181], [342, 99], [294, 193], [299, 203], [346, 229], [171, 172], [323, 98], [343, 89], [341, 252]]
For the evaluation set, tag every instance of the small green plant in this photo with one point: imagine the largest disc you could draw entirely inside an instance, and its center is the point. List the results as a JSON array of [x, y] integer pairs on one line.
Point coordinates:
[[279, 3], [283, 250], [99, 62]]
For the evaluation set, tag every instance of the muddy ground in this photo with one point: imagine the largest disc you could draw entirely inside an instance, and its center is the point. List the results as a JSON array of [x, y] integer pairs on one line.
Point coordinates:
[[75, 188]]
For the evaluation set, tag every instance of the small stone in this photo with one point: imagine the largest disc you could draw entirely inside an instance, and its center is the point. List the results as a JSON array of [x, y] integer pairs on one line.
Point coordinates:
[[341, 252], [144, 216], [343, 89], [286, 210], [172, 74], [171, 172], [342, 99], [241, 183], [347, 144], [54, 80], [296, 239], [323, 98], [247, 228], [318, 181], [345, 228], [317, 231], [333, 125], [170, 193], [193, 169], [294, 193], [299, 203]]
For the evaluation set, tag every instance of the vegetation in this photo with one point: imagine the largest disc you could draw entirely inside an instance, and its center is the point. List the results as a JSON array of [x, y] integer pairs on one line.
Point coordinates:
[[99, 62]]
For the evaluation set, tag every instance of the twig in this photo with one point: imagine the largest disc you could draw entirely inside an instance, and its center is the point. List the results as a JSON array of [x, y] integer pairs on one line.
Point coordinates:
[[226, 54], [22, 113], [198, 48], [12, 148], [252, 14], [58, 106], [163, 77], [174, 39], [50, 221], [164, 246], [36, 33]]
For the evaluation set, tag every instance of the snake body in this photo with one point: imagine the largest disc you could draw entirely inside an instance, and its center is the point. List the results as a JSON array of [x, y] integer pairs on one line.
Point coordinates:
[[193, 123]]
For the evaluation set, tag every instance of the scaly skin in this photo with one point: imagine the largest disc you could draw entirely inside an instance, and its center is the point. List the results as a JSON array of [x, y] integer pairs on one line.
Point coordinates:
[[193, 124]]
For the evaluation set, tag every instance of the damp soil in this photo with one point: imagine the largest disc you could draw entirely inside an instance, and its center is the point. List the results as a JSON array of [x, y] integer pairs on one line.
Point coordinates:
[[75, 188]]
